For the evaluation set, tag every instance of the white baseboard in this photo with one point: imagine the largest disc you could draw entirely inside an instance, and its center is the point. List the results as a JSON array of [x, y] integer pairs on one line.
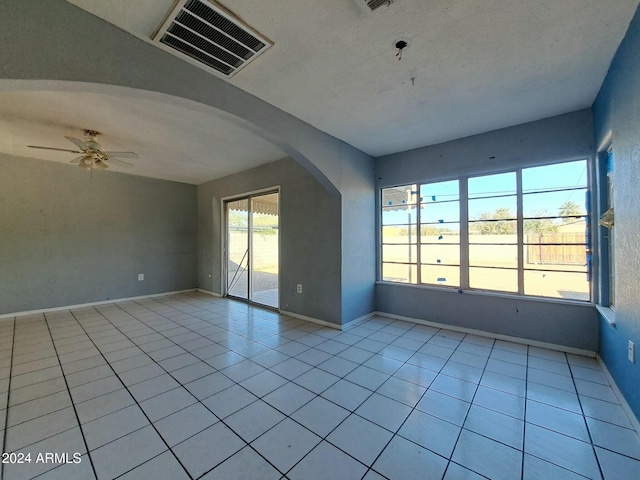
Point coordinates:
[[625, 406], [208, 292], [482, 333], [311, 319], [357, 321], [5, 316]]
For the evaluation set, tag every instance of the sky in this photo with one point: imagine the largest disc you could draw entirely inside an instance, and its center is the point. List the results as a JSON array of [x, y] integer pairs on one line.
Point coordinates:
[[444, 195]]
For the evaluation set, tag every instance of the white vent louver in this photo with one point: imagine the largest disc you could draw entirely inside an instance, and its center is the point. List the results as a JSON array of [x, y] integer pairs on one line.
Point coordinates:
[[206, 35], [373, 4]]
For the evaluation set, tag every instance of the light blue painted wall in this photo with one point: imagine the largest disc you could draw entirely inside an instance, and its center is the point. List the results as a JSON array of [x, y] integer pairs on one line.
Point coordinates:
[[47, 47], [617, 110], [310, 235], [562, 138], [67, 238]]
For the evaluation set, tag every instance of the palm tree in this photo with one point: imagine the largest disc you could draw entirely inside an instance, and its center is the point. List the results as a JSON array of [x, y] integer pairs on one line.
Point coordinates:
[[570, 209]]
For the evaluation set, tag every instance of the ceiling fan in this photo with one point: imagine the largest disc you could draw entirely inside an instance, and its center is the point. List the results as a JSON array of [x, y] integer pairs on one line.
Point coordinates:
[[93, 155]]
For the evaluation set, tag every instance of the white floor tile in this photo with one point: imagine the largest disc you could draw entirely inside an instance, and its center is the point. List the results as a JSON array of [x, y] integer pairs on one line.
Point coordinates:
[[443, 406], [288, 398], [163, 467], [360, 438], [126, 453], [458, 472], [561, 450], [244, 465], [316, 380], [384, 411], [253, 420], [346, 394], [431, 432], [207, 449], [405, 460], [285, 444], [617, 466], [206, 386], [487, 457], [615, 438], [167, 403], [185, 423], [535, 468], [235, 362], [557, 419], [326, 461], [454, 387], [497, 426], [404, 392], [320, 416]]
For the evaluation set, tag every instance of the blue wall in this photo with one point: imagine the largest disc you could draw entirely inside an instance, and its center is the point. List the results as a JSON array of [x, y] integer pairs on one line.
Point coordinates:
[[561, 138], [617, 110]]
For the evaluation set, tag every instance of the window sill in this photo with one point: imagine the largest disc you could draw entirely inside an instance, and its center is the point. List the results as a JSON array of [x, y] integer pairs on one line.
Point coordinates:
[[511, 296], [608, 314]]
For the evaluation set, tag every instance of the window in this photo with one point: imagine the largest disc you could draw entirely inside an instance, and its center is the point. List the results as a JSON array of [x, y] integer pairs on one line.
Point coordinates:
[[440, 234], [555, 231], [400, 234], [493, 235], [520, 232], [606, 229], [611, 231]]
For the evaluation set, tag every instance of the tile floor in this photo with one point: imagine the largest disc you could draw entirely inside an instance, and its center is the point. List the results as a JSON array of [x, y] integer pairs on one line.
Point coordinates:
[[190, 386]]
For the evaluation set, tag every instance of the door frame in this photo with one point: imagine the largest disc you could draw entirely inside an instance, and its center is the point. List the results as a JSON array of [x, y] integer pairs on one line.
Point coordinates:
[[225, 241]]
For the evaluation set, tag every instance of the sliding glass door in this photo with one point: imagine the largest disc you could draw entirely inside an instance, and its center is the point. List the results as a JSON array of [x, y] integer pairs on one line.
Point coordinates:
[[252, 249]]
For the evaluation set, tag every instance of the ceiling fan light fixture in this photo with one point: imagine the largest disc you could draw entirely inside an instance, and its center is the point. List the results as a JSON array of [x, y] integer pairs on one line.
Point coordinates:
[[93, 155], [100, 165]]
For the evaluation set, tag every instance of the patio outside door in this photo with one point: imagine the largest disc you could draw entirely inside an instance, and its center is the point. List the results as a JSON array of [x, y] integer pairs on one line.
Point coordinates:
[[252, 250]]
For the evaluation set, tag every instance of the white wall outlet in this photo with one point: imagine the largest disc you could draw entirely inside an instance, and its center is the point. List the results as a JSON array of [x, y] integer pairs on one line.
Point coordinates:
[[140, 277], [299, 288], [631, 352]]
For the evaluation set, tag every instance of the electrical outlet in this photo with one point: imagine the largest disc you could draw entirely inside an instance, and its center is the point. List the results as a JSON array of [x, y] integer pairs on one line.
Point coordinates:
[[140, 277], [631, 350], [299, 288]]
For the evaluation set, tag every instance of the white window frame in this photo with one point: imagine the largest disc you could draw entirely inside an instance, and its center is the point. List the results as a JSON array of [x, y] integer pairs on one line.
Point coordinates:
[[464, 233]]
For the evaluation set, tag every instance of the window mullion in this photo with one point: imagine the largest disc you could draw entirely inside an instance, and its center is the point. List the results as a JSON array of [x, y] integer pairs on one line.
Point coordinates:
[[418, 237], [464, 234], [520, 231]]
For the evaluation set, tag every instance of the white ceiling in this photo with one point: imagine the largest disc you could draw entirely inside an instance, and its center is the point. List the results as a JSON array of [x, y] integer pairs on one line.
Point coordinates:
[[472, 66], [174, 141], [477, 65]]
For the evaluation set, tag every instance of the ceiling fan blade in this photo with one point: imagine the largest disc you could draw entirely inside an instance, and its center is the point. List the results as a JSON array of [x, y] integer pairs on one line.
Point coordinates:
[[77, 159], [79, 143], [123, 154], [115, 161], [52, 148]]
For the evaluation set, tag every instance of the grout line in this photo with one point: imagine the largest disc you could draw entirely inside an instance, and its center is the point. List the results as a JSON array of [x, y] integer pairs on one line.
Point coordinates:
[[75, 411], [524, 426], [134, 399], [181, 311], [484, 369], [584, 419], [198, 401], [6, 414]]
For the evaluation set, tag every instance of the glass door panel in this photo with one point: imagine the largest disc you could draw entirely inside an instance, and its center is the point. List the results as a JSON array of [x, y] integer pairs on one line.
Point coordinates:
[[238, 248], [253, 248], [264, 249]]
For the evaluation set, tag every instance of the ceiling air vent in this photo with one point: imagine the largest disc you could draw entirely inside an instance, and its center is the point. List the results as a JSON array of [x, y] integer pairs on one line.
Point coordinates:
[[207, 35], [373, 4]]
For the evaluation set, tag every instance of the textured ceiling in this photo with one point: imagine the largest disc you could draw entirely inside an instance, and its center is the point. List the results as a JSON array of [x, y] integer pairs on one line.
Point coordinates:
[[471, 66], [174, 142]]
